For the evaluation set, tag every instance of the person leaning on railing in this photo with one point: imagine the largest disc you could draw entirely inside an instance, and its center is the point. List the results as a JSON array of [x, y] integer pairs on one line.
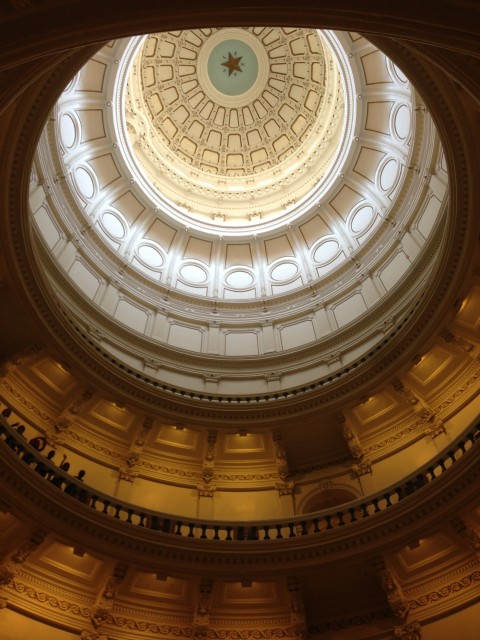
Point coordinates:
[[13, 442], [44, 470], [58, 480], [39, 443], [72, 489]]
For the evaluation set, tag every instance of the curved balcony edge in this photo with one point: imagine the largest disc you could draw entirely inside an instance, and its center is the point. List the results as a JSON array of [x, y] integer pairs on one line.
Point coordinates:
[[82, 515]]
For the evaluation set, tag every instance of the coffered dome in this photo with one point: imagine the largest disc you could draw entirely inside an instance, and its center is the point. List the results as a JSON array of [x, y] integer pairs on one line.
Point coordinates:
[[202, 252], [230, 147]]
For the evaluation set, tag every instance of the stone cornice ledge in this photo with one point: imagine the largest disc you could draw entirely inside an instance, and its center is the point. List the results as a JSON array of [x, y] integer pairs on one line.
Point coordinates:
[[32, 500]]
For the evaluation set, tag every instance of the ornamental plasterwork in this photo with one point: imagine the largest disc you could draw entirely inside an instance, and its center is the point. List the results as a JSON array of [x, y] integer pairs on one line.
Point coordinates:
[[454, 588], [92, 635], [18, 358], [161, 55], [29, 579], [160, 629], [188, 632], [444, 578], [397, 434], [431, 426], [346, 623], [460, 341], [95, 446], [435, 428], [127, 474], [179, 356], [42, 599], [410, 631], [105, 600], [96, 527], [196, 145], [247, 474], [363, 468], [252, 634], [285, 488], [226, 475], [149, 614], [391, 587], [472, 536], [264, 622], [466, 385], [206, 490], [69, 608], [20, 395], [192, 473]]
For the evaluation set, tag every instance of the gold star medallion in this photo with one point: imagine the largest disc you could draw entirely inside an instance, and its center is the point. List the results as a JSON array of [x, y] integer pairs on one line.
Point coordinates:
[[232, 64]]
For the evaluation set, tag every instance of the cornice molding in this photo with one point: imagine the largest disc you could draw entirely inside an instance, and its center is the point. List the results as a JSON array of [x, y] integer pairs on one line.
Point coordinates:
[[63, 607], [21, 396], [453, 589], [353, 621]]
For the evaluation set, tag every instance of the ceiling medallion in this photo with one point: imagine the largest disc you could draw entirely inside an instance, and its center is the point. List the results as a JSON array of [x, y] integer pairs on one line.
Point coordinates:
[[232, 67], [232, 54]]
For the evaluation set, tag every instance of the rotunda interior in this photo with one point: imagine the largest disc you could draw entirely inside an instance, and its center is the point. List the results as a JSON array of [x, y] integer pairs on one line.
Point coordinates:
[[241, 299]]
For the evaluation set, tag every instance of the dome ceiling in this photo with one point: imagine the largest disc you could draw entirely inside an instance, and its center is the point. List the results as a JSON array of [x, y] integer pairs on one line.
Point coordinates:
[[231, 142], [98, 238], [214, 299]]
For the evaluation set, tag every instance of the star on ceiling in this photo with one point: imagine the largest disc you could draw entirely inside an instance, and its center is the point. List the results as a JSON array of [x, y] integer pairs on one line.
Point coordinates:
[[232, 64]]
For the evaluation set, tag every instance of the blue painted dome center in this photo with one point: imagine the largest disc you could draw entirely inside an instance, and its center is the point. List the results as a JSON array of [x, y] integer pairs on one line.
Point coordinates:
[[232, 67]]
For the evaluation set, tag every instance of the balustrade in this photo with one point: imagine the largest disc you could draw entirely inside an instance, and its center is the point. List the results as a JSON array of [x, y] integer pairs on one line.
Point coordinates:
[[311, 524]]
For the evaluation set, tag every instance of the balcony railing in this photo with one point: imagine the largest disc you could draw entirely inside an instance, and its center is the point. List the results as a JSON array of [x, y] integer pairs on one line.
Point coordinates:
[[310, 524]]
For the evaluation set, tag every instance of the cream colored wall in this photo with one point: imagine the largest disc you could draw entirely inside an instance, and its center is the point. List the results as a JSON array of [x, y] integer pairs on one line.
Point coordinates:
[[169, 499], [99, 476], [461, 625], [394, 468], [222, 505], [251, 505], [15, 626]]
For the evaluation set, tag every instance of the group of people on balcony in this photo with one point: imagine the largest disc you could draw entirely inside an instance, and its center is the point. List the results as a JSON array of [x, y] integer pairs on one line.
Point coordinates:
[[42, 467], [31, 452]]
